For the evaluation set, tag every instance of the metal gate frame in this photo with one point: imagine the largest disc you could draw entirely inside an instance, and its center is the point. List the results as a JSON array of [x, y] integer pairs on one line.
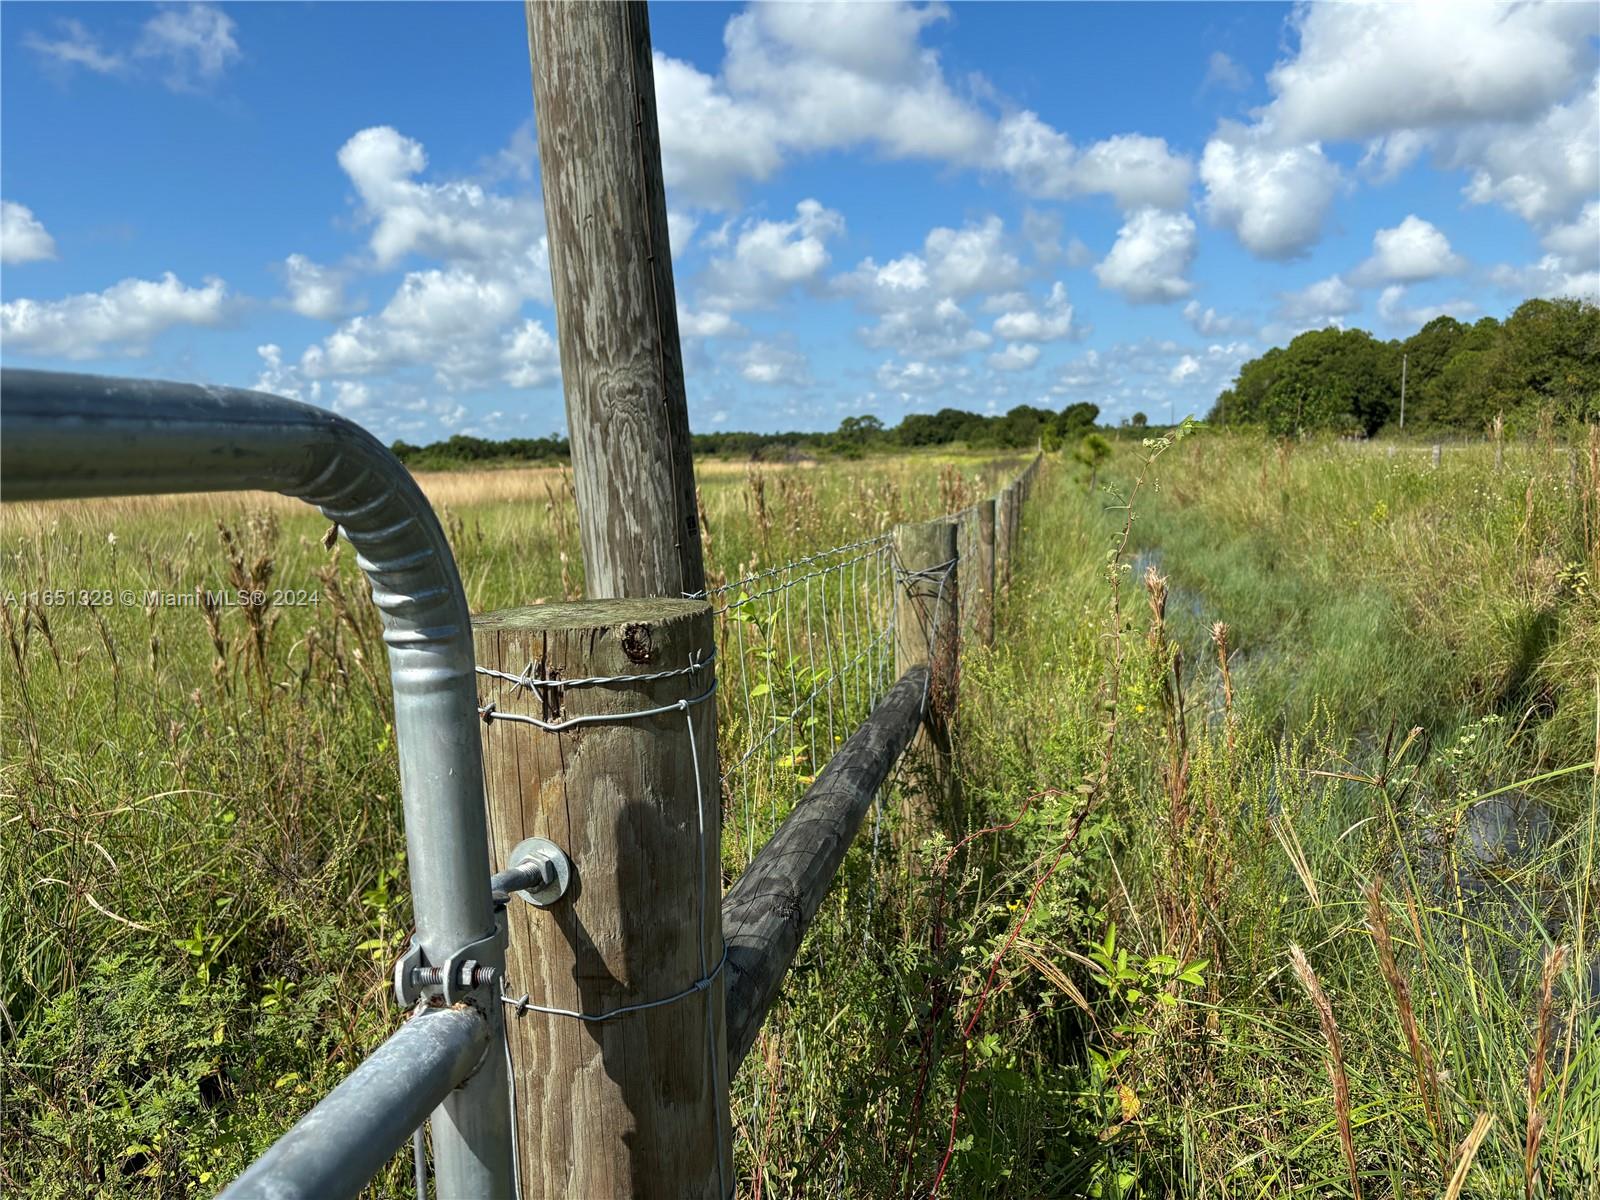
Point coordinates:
[[64, 436]]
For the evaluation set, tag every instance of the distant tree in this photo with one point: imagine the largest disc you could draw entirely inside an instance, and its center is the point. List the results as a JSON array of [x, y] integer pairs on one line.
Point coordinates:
[[1544, 357], [860, 429], [1022, 426], [1092, 451], [1138, 420], [1548, 356], [856, 433]]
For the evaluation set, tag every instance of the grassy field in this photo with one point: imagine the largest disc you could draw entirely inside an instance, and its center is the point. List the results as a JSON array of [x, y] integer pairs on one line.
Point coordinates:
[[1079, 983]]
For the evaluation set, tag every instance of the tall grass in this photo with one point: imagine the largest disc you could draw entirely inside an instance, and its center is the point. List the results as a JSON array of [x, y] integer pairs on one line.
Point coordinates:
[[202, 870], [1354, 713]]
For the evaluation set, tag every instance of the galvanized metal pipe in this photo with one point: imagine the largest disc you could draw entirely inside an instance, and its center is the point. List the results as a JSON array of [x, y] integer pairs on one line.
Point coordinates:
[[345, 1140], [83, 435]]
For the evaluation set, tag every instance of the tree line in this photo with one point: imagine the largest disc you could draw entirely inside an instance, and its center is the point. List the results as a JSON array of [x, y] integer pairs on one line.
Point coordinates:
[[1542, 359], [1023, 427]]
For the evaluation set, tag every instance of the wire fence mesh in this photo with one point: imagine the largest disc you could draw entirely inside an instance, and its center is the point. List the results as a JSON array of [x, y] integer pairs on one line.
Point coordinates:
[[805, 650]]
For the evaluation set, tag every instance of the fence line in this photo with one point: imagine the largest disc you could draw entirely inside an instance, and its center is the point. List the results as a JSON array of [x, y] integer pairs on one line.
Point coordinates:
[[805, 654]]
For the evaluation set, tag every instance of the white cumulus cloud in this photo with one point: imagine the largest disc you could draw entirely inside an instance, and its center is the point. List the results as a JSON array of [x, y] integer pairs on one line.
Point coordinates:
[[1326, 302], [1412, 251], [23, 237], [917, 296], [1017, 356], [461, 325], [1549, 277], [1393, 309], [457, 220], [1208, 322], [1023, 323], [772, 258], [123, 319], [1151, 257], [1136, 170], [1577, 243], [771, 365], [1273, 198], [1369, 69], [314, 290], [801, 78], [1542, 171]]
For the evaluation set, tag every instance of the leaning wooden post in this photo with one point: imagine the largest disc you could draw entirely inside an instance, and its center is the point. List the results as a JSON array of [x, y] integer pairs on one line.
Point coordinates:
[[926, 634], [635, 1104], [984, 568], [616, 310]]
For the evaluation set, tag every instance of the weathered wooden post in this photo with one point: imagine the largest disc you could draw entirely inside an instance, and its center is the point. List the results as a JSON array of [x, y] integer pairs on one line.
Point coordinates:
[[927, 635], [984, 569], [967, 551], [1005, 524], [1436, 449], [600, 735], [616, 310], [929, 586]]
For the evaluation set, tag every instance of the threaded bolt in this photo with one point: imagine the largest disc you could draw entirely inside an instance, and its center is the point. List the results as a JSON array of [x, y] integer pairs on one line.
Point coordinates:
[[472, 975]]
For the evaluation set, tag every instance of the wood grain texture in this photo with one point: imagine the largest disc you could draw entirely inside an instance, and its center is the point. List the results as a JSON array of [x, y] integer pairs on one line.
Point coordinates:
[[767, 912], [632, 1106], [928, 603], [966, 522], [1005, 525], [616, 308], [983, 569]]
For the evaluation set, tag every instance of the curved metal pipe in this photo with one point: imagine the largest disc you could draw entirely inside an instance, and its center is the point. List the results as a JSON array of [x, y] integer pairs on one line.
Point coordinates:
[[353, 1131], [65, 435]]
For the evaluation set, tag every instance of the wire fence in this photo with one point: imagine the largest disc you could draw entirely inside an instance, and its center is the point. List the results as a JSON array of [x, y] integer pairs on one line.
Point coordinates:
[[805, 651]]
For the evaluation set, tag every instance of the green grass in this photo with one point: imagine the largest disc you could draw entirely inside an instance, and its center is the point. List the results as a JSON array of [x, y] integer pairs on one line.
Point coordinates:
[[202, 877], [1364, 597]]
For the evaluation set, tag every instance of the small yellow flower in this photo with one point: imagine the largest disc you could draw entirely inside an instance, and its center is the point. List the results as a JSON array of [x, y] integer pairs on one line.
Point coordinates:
[[1138, 708]]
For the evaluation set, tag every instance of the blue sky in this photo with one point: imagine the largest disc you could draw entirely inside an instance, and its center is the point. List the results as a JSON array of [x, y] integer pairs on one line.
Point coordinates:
[[875, 207]]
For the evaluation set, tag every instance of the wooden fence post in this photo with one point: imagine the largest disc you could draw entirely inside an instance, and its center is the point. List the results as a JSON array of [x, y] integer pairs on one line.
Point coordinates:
[[1436, 456], [1005, 525], [984, 567], [636, 1105], [616, 311], [967, 551], [927, 634]]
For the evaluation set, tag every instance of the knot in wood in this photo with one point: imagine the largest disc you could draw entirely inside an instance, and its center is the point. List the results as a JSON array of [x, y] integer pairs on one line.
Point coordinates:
[[638, 643]]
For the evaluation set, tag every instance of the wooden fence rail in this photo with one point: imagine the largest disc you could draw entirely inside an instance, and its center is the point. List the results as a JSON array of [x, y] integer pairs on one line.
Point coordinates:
[[768, 910]]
